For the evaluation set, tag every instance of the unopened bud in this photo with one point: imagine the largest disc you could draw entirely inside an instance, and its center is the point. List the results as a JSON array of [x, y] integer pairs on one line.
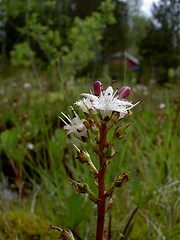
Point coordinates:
[[64, 234], [129, 113], [79, 186], [94, 127], [98, 87], [124, 92], [109, 151], [83, 188], [83, 156], [120, 131], [86, 124], [121, 180]]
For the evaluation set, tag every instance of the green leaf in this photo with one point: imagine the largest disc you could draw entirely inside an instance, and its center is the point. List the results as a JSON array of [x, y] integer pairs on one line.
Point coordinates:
[[10, 140], [11, 145]]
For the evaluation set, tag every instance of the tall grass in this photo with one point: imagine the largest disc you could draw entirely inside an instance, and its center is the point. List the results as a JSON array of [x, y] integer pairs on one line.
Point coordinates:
[[149, 152]]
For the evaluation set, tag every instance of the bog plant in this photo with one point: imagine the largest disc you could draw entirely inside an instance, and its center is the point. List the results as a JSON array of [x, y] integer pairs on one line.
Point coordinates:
[[102, 123]]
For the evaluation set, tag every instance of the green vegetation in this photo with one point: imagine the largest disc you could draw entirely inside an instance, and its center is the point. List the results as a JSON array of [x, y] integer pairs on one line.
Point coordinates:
[[21, 225], [51, 51], [75, 39], [38, 160]]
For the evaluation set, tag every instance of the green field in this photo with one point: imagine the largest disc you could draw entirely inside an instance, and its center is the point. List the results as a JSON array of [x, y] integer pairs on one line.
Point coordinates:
[[36, 160]]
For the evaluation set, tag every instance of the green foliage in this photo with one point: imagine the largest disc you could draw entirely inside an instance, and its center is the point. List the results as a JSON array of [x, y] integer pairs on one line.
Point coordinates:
[[149, 153], [116, 35], [85, 37], [139, 23], [12, 8], [47, 38], [40, 41], [10, 140], [21, 55], [160, 45]]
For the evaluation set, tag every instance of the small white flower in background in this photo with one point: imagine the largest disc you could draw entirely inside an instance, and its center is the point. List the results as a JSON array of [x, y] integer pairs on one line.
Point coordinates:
[[26, 85], [141, 88], [75, 126], [162, 105], [30, 146], [14, 104]]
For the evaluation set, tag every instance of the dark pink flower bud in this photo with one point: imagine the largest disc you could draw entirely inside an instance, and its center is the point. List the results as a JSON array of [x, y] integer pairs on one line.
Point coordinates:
[[124, 92], [98, 87]]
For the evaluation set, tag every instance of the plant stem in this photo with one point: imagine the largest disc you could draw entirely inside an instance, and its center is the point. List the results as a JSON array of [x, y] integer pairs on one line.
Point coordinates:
[[101, 204]]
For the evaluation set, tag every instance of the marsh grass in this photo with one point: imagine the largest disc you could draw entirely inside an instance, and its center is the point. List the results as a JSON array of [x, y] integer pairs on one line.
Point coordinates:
[[149, 152]]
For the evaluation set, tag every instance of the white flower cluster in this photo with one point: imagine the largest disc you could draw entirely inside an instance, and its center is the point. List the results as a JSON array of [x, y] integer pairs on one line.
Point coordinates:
[[105, 104], [108, 102]]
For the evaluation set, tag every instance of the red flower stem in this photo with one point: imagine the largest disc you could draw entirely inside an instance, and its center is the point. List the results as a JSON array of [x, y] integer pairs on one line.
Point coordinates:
[[101, 204]]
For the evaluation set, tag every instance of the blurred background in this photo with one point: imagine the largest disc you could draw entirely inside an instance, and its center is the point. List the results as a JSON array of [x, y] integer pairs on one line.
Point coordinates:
[[80, 38], [50, 52]]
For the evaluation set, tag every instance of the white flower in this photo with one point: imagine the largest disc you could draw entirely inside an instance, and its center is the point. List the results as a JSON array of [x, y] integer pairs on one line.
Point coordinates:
[[85, 105], [162, 105], [75, 126], [30, 146], [108, 102], [27, 85]]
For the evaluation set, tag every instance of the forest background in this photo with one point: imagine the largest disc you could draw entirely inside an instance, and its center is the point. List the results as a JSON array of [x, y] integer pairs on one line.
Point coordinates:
[[76, 38]]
